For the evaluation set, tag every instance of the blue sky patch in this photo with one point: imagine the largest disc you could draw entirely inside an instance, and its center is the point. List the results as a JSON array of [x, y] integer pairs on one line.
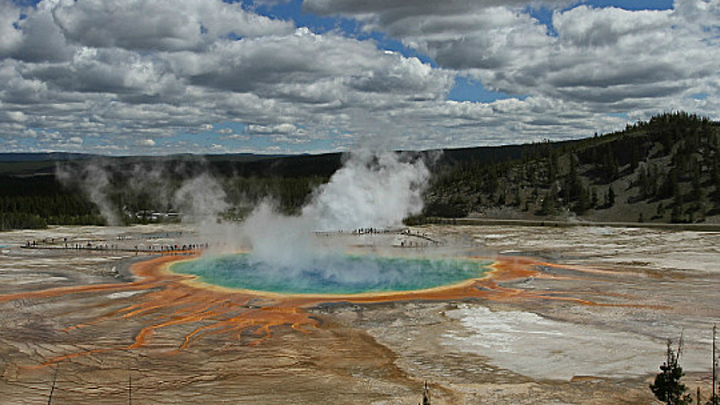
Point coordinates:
[[471, 90]]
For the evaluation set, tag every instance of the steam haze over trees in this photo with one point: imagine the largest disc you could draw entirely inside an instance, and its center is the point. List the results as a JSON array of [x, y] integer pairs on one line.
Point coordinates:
[[663, 170]]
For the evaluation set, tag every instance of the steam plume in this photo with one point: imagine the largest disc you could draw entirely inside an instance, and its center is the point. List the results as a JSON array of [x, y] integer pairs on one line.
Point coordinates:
[[371, 190], [200, 198], [94, 181]]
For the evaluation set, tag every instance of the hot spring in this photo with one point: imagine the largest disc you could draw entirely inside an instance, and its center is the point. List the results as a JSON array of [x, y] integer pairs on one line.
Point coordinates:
[[337, 274]]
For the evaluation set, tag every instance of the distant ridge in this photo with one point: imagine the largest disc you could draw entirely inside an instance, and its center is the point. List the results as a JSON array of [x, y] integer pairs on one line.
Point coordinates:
[[43, 156], [250, 164], [447, 155], [64, 156]]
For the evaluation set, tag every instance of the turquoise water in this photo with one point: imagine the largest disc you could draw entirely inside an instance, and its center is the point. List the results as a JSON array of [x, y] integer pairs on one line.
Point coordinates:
[[332, 275]]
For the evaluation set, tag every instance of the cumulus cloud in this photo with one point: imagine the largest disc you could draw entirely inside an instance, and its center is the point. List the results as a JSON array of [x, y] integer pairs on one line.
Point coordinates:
[[384, 12], [160, 25], [10, 37], [608, 59], [288, 68], [32, 33], [169, 70], [272, 129], [146, 142], [610, 56], [17, 116], [121, 72]]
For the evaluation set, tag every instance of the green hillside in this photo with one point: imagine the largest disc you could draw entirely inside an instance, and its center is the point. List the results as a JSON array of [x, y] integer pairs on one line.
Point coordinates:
[[663, 170]]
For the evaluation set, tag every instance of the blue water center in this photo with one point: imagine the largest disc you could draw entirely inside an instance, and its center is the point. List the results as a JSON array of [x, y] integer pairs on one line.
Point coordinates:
[[332, 275]]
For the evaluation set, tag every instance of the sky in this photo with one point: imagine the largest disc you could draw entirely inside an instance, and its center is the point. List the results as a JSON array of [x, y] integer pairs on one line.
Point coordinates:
[[312, 76]]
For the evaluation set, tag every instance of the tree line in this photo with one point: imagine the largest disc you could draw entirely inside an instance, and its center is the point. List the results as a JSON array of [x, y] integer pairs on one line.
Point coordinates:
[[35, 202], [670, 163]]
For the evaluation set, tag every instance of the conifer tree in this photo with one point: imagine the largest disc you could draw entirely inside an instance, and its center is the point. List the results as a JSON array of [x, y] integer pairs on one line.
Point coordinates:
[[426, 395], [610, 198], [667, 386], [714, 398]]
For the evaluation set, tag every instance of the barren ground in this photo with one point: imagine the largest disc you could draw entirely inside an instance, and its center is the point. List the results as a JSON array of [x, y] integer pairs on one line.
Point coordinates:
[[587, 326]]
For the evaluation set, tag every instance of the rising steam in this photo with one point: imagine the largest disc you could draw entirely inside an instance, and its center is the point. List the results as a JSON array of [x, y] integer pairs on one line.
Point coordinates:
[[201, 199], [375, 190], [94, 180], [371, 190], [187, 187]]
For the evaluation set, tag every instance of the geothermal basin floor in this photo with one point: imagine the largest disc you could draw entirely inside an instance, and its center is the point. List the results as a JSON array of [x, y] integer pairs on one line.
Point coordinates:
[[584, 322]]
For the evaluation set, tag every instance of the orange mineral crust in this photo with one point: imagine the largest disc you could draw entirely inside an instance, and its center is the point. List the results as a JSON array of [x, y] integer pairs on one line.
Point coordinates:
[[165, 300]]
